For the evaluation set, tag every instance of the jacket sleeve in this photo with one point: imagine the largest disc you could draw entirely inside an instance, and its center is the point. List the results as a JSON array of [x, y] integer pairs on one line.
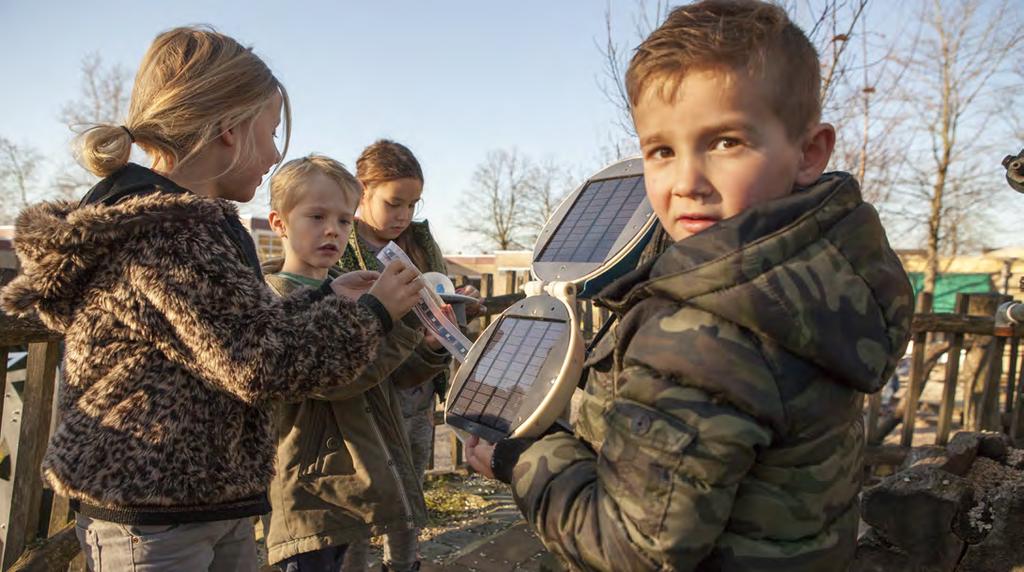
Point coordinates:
[[423, 365], [213, 314], [659, 490], [395, 349]]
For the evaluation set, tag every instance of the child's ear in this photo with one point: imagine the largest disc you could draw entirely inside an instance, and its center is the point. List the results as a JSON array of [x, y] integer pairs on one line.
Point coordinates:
[[229, 136], [816, 151], [277, 224]]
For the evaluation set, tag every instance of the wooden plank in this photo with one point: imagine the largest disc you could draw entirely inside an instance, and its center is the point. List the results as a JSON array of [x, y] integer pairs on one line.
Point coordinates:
[[989, 418], [510, 282], [985, 365], [874, 410], [1011, 374], [3, 379], [953, 323], [20, 331], [26, 493], [952, 376], [456, 450], [1017, 415], [587, 320], [913, 393], [498, 304], [486, 291]]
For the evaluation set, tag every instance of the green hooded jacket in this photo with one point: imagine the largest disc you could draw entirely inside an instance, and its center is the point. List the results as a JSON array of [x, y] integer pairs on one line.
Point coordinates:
[[357, 256], [344, 471], [721, 427]]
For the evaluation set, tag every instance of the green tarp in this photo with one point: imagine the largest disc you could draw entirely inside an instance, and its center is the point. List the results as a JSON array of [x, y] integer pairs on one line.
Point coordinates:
[[948, 285]]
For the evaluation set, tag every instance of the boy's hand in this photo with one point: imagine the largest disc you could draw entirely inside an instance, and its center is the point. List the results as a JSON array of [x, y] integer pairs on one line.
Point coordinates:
[[352, 285], [479, 454], [473, 309], [398, 289]]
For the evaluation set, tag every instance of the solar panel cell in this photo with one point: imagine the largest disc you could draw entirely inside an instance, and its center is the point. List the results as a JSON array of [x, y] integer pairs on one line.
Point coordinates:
[[594, 222], [506, 370]]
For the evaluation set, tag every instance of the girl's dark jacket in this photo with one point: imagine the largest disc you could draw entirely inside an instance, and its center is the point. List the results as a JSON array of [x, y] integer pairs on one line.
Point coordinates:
[[174, 345]]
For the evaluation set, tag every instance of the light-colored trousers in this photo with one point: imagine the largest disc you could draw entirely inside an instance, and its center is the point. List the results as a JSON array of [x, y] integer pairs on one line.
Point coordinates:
[[219, 546]]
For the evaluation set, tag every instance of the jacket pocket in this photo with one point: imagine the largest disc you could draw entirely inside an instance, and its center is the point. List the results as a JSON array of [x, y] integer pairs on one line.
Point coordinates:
[[312, 421], [642, 450]]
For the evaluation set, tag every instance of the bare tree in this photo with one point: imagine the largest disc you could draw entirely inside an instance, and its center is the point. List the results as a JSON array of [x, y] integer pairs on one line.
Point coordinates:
[[871, 120], [545, 187], [104, 98], [18, 165], [492, 208], [957, 83], [616, 58]]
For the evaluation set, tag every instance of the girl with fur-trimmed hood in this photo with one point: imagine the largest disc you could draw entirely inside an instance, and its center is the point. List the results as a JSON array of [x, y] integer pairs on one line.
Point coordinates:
[[174, 344]]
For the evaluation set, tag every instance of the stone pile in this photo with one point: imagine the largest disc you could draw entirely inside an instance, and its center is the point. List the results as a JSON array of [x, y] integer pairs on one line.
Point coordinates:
[[958, 508]]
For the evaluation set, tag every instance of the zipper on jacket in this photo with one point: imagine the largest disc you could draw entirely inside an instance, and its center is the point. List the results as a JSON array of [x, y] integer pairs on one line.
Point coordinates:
[[391, 463], [373, 422]]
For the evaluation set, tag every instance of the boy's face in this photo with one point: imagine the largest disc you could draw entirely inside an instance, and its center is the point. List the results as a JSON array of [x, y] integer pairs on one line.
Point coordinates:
[[317, 227], [714, 151]]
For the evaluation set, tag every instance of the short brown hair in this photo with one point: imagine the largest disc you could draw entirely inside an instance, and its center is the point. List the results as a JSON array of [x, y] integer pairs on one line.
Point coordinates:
[[385, 160], [286, 184], [748, 36]]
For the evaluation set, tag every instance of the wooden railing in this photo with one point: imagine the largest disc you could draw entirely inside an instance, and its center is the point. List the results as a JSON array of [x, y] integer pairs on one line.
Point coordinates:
[[25, 518], [991, 395]]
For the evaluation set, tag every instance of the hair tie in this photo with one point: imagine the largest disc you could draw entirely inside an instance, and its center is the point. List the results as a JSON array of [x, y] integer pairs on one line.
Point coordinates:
[[129, 132]]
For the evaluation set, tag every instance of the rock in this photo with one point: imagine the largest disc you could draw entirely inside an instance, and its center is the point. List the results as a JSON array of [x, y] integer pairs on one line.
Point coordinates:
[[1015, 459], [875, 554], [916, 510], [1003, 548], [926, 456], [962, 450], [994, 445]]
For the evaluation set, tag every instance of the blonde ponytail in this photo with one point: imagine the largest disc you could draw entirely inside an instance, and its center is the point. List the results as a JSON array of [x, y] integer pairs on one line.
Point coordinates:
[[105, 149], [192, 83]]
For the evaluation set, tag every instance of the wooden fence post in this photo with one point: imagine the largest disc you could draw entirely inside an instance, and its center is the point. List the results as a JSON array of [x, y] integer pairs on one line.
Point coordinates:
[[27, 487], [510, 282], [983, 369], [486, 290], [1011, 374], [952, 376], [917, 373]]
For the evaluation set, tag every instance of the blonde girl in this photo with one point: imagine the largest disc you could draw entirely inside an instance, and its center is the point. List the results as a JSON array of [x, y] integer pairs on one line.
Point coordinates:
[[174, 344]]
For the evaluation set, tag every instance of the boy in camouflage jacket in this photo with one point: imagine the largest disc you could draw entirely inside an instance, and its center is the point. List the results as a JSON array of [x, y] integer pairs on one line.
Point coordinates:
[[721, 426]]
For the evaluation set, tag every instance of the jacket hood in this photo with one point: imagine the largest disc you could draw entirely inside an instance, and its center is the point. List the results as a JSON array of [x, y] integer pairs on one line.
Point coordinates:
[[63, 246], [812, 272]]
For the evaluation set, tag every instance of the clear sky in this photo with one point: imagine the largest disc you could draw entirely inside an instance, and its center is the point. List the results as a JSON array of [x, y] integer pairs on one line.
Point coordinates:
[[451, 79]]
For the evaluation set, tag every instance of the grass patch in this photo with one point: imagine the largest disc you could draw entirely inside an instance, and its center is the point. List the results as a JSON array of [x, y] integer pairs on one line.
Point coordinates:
[[455, 497]]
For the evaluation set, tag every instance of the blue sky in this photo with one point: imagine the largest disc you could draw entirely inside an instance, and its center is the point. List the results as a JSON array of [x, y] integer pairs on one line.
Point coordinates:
[[451, 79]]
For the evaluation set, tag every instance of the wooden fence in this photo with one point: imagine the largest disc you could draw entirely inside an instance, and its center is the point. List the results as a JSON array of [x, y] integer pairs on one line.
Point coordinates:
[[981, 360]]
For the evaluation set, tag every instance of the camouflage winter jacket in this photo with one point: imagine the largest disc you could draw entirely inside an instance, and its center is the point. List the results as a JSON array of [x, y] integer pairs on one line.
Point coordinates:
[[721, 427]]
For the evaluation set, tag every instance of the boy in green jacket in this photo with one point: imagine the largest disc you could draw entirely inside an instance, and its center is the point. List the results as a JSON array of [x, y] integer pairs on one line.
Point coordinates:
[[721, 427], [344, 471]]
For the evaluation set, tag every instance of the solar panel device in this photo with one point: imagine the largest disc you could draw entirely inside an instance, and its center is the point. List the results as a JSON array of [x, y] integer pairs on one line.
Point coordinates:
[[519, 376], [514, 372], [593, 236]]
